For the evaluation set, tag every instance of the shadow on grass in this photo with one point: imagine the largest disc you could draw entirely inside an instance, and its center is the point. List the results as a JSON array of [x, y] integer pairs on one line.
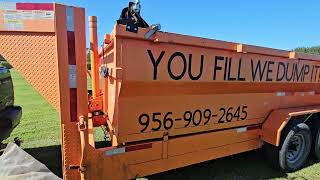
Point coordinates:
[[250, 165], [50, 156]]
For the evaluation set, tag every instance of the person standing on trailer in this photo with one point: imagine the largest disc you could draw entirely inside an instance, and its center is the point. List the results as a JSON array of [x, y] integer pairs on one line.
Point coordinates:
[[131, 14]]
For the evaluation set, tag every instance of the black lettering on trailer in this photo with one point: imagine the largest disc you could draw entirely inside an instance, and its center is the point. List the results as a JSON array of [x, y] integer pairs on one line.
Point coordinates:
[[269, 71], [316, 76], [216, 67], [155, 63], [283, 70], [258, 68], [261, 71], [197, 77], [298, 73], [239, 71], [311, 77], [199, 117], [144, 120], [173, 57], [225, 70], [230, 69], [306, 71], [167, 120], [157, 121], [287, 72]]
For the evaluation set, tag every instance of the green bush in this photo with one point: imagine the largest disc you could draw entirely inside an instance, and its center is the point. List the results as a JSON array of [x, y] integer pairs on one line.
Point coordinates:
[[88, 59], [309, 50]]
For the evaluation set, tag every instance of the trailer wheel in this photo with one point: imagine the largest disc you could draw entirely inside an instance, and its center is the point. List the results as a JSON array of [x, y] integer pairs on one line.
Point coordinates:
[[317, 144], [294, 149]]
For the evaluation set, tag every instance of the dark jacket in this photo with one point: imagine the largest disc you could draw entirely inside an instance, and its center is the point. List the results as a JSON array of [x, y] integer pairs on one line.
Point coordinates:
[[135, 18]]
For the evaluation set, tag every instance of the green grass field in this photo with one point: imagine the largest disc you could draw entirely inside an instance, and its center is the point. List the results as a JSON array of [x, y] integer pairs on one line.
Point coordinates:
[[40, 131]]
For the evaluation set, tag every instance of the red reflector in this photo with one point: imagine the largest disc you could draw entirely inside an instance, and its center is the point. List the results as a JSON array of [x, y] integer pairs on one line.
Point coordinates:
[[254, 127], [73, 105], [138, 147], [71, 48], [73, 90], [35, 6]]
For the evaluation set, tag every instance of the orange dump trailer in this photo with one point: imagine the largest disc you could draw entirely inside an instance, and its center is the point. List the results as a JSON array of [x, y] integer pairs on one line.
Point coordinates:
[[166, 100]]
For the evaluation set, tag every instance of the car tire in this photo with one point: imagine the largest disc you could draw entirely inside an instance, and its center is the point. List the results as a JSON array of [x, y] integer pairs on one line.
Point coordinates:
[[294, 149]]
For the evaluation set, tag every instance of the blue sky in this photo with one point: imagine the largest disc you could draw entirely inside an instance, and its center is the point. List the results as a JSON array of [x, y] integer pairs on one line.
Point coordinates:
[[282, 24]]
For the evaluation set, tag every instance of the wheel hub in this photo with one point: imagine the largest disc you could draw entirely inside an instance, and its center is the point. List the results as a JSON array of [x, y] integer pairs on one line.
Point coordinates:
[[295, 149]]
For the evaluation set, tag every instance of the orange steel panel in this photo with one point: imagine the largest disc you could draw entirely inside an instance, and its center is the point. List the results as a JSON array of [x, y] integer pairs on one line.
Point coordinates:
[[70, 134], [262, 50], [189, 99], [177, 146], [28, 42], [95, 79], [52, 58], [203, 155], [141, 163], [296, 55], [278, 119], [173, 38], [146, 155], [156, 86], [34, 56], [80, 46]]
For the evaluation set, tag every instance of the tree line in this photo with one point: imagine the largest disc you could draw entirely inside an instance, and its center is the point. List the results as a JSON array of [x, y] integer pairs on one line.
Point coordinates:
[[309, 50]]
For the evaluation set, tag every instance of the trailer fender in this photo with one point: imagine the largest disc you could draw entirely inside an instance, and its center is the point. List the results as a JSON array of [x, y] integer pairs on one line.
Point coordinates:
[[278, 119]]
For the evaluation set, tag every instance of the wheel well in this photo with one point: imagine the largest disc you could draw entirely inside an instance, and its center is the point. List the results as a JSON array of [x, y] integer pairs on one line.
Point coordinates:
[[314, 123], [292, 122], [312, 120]]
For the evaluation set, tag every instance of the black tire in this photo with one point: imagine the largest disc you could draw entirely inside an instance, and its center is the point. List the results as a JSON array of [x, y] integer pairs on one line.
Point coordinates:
[[294, 148], [317, 144]]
